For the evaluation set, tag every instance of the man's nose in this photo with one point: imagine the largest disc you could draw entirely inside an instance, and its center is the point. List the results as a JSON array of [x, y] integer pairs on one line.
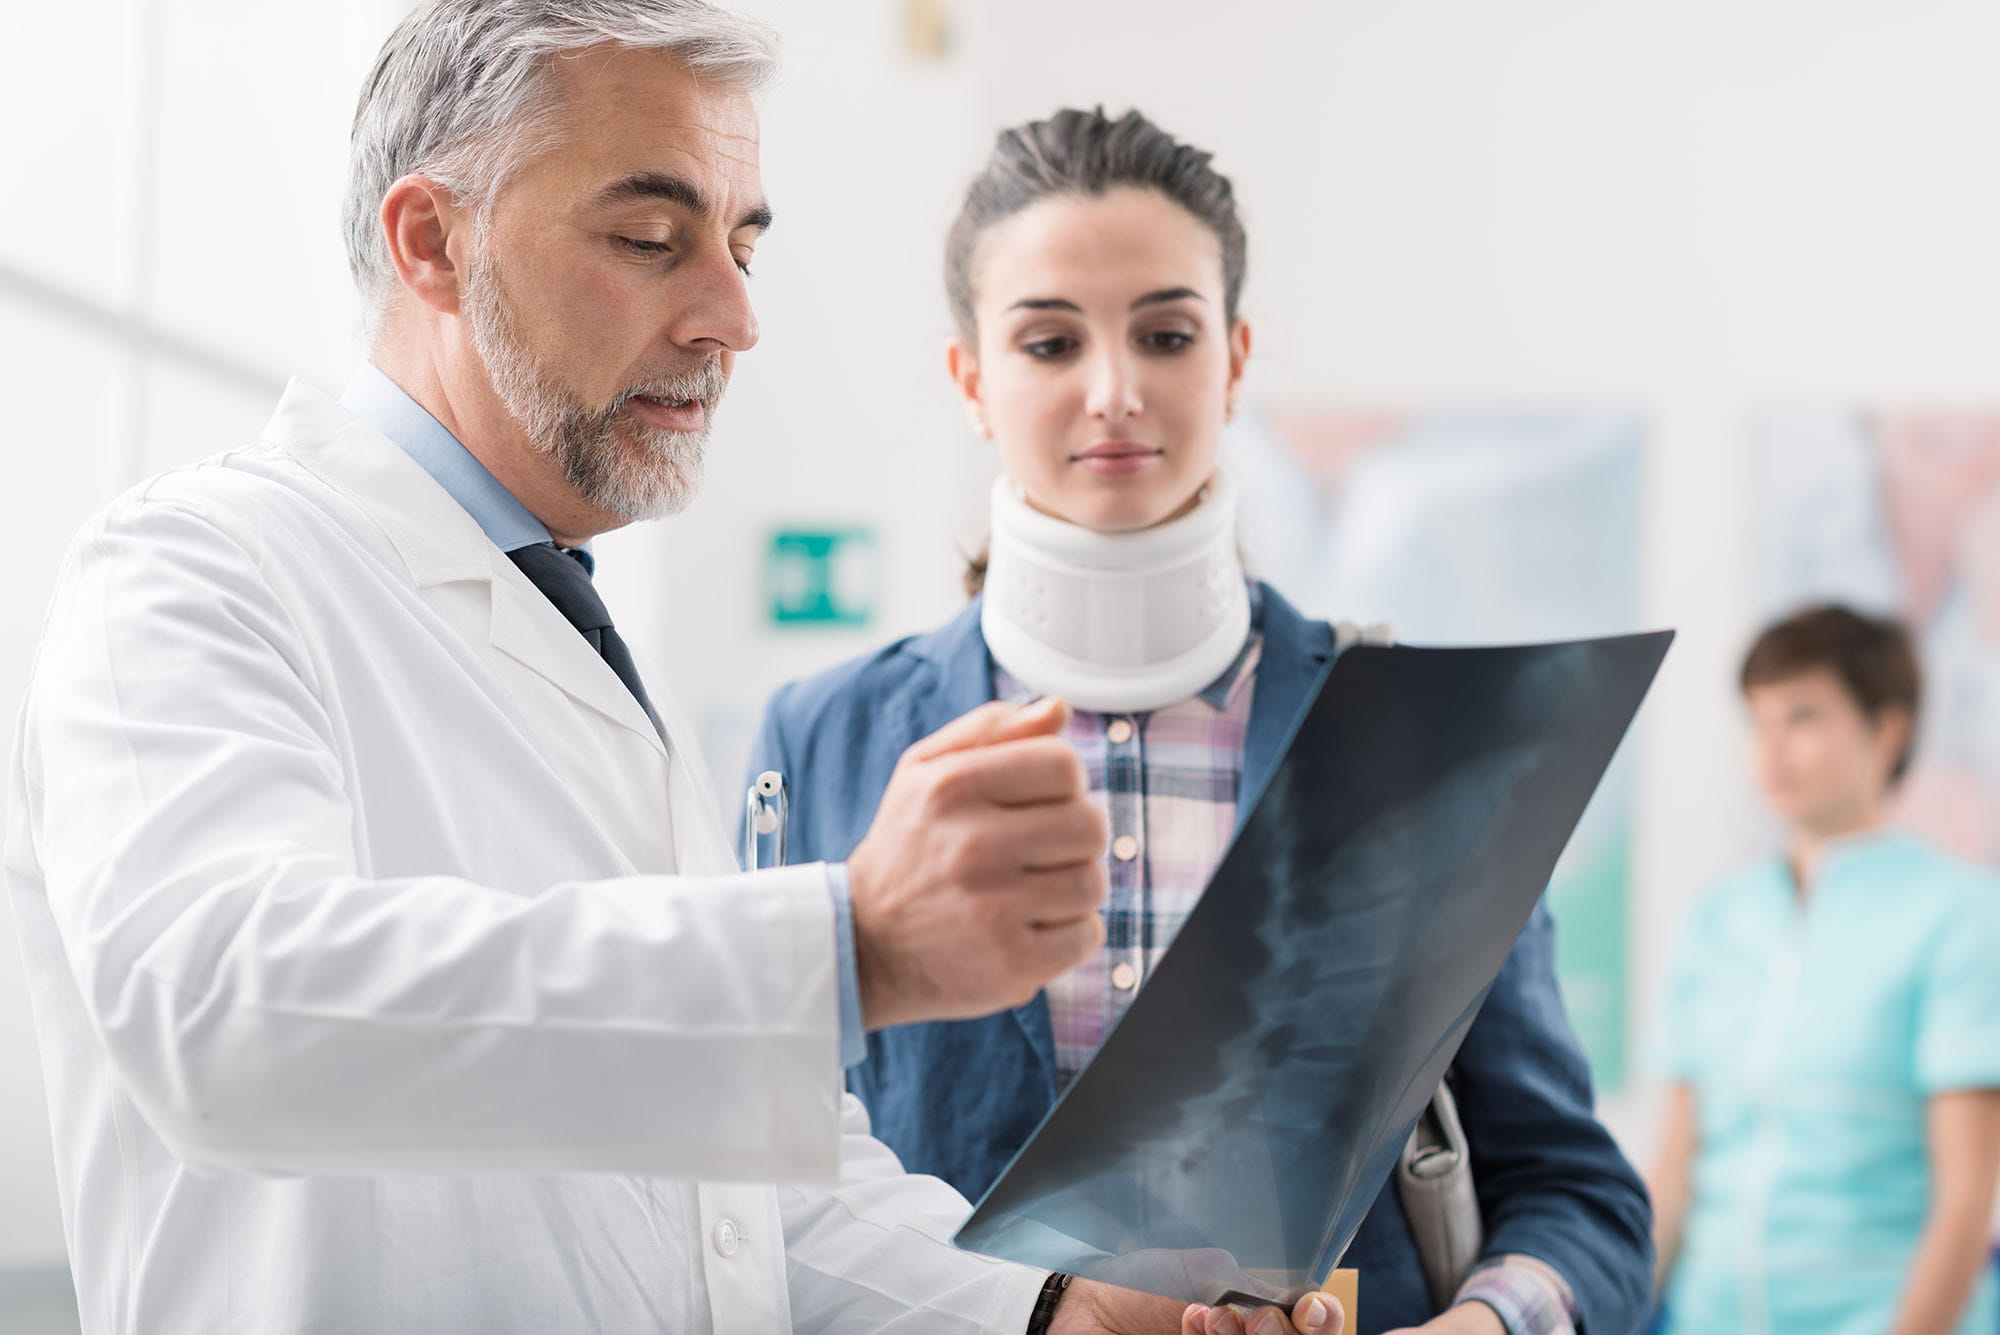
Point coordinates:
[[713, 312], [1114, 390]]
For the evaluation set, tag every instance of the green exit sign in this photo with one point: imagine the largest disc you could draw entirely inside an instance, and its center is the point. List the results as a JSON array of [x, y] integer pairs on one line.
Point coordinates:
[[821, 577]]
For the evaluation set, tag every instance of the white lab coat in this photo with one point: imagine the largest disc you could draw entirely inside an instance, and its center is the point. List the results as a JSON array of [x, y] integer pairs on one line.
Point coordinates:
[[391, 975]]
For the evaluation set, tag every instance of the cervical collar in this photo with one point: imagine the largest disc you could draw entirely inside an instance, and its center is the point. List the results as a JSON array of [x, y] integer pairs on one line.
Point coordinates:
[[1115, 622]]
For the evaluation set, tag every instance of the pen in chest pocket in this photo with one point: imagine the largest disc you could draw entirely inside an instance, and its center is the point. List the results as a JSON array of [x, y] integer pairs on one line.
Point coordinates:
[[765, 817]]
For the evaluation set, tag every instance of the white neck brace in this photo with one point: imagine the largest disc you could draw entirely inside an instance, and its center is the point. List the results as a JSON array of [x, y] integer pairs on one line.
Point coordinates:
[[1116, 622]]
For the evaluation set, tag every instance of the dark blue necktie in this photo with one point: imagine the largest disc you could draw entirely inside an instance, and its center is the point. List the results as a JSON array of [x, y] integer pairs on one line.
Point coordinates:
[[563, 576]]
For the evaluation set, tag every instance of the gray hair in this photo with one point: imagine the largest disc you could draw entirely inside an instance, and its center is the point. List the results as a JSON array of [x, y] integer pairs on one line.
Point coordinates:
[[460, 93]]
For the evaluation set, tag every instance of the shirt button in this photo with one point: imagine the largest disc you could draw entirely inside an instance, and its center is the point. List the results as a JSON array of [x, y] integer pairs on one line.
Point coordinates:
[[1124, 848], [1119, 731], [727, 1239], [1124, 976]]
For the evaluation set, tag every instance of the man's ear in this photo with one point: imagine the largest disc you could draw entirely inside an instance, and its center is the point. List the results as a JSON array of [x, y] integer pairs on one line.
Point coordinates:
[[963, 365], [427, 233]]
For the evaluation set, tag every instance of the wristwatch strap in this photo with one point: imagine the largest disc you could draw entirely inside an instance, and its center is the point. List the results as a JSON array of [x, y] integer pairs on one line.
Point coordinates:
[[1044, 1314]]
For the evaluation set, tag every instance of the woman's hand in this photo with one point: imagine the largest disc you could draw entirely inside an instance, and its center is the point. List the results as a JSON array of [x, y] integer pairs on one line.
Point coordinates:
[[1315, 1314]]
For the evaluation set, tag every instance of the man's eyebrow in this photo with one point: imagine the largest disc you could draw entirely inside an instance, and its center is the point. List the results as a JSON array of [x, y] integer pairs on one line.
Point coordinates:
[[656, 185], [1167, 294], [675, 190]]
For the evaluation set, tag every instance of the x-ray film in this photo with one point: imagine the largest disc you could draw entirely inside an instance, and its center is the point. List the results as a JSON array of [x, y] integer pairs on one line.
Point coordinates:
[[1240, 1118]]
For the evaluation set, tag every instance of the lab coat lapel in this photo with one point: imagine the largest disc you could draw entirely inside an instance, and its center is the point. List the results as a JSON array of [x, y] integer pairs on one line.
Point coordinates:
[[528, 629], [1294, 652], [701, 845], [441, 543]]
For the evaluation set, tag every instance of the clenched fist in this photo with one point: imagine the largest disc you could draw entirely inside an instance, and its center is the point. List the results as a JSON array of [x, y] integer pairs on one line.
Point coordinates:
[[982, 875]]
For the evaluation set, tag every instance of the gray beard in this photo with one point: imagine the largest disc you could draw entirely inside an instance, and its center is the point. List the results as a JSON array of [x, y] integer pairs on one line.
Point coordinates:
[[657, 478]]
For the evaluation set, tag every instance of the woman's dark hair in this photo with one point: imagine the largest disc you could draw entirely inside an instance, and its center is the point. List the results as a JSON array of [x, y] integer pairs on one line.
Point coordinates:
[[1087, 153], [1872, 657]]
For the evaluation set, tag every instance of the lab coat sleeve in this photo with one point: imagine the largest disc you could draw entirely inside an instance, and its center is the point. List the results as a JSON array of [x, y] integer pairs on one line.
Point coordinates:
[[269, 1008], [872, 1254]]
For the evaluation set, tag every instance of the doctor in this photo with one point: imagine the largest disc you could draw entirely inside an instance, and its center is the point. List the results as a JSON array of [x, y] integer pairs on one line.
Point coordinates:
[[391, 971]]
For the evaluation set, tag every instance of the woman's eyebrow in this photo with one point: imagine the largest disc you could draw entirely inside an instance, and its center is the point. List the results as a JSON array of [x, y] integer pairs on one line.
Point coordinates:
[[1045, 304], [1167, 294]]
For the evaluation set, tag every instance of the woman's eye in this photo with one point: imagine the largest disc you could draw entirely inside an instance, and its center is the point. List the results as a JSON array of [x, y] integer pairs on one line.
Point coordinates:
[[743, 265], [1048, 349], [641, 247], [1167, 340]]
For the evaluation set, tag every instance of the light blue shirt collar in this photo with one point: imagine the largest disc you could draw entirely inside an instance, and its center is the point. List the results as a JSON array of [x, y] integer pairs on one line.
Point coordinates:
[[383, 404]]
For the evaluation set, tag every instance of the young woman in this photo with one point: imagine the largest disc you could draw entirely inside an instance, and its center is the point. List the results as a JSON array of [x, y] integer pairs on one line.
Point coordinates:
[[1094, 276], [1833, 1028]]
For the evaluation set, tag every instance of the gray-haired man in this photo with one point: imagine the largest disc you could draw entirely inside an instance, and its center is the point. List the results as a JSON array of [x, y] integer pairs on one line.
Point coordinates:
[[392, 972]]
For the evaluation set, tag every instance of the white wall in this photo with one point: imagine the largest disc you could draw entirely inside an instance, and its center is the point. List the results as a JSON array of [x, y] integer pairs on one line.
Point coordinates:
[[1689, 205]]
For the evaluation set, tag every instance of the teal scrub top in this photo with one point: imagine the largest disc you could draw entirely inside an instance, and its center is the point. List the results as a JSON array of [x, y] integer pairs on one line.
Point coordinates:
[[1812, 1034]]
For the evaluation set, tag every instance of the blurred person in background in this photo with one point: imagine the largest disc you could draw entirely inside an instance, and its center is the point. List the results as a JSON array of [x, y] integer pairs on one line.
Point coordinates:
[[1832, 1029], [1094, 275]]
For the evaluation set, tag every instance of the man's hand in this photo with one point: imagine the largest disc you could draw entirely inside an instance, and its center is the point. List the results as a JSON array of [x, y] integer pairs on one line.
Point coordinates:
[[1099, 1309], [981, 878]]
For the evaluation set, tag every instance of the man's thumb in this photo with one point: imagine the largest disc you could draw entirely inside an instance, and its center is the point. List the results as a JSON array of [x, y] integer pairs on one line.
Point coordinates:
[[994, 723]]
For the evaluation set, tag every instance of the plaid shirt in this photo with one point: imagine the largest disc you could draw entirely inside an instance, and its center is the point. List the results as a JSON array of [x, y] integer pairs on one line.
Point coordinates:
[[1167, 782]]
